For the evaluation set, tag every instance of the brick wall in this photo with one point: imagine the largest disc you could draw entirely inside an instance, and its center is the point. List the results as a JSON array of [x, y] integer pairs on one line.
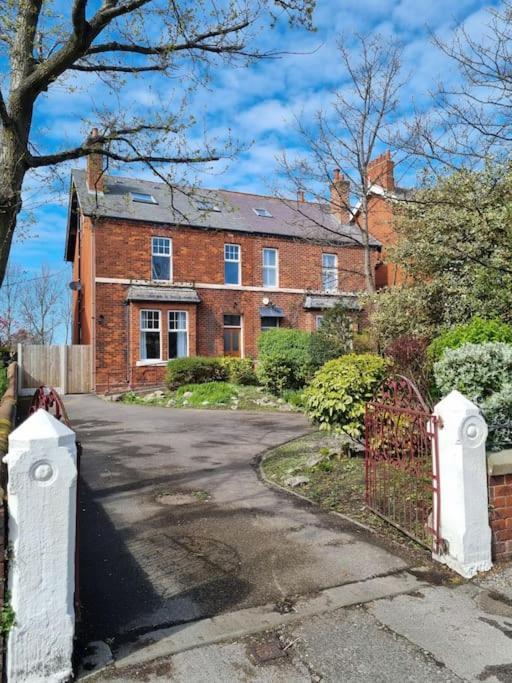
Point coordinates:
[[122, 250], [500, 501]]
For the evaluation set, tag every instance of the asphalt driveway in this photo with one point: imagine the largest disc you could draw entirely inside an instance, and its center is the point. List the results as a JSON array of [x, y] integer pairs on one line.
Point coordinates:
[[176, 525]]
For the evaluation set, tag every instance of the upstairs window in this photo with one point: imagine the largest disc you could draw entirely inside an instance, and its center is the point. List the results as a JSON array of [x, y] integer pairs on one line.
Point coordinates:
[[143, 198], [207, 205], [161, 252], [150, 335], [263, 213], [232, 264], [178, 334], [329, 272], [270, 268]]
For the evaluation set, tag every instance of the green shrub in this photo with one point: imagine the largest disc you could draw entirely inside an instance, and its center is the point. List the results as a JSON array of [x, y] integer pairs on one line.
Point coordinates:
[[338, 393], [483, 373], [239, 370], [476, 370], [334, 337], [213, 393], [194, 370], [364, 342], [497, 410], [477, 331], [294, 397], [284, 360]]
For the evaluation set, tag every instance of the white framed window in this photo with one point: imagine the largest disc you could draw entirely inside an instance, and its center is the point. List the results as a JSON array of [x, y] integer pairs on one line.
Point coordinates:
[[329, 272], [150, 344], [232, 275], [178, 334], [143, 197], [161, 259], [270, 267], [269, 323], [319, 321], [263, 213]]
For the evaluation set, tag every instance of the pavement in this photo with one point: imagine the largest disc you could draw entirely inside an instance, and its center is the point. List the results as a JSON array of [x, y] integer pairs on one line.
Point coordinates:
[[193, 569]]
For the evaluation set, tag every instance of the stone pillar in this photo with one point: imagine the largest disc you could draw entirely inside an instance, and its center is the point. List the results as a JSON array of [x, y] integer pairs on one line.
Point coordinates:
[[42, 469], [463, 482]]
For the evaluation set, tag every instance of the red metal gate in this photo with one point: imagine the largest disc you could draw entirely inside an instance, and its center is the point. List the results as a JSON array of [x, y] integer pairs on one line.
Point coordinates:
[[401, 457]]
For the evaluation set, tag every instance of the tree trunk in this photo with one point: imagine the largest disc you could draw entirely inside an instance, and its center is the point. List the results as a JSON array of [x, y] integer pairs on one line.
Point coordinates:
[[12, 172], [368, 269]]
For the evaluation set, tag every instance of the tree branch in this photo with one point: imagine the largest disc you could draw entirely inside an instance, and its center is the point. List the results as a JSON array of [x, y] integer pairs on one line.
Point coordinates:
[[96, 68], [80, 25], [4, 114]]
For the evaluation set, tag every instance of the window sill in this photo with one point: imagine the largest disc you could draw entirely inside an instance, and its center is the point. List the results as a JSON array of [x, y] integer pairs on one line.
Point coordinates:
[[141, 363]]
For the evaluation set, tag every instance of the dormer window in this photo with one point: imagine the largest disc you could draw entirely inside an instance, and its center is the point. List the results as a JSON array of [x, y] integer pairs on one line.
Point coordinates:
[[143, 198], [263, 213], [207, 205]]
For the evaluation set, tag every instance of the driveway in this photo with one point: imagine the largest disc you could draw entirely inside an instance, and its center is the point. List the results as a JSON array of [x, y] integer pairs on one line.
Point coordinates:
[[176, 525]]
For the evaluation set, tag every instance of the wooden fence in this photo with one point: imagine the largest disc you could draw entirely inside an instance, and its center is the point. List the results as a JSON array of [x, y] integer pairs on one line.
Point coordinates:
[[68, 369]]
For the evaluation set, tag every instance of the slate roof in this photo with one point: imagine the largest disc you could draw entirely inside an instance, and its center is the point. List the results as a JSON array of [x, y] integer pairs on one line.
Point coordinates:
[[161, 293], [179, 207]]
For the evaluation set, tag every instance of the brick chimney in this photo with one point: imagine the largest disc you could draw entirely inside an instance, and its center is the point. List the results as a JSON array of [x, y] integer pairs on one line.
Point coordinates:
[[340, 189], [381, 171], [95, 168], [300, 196]]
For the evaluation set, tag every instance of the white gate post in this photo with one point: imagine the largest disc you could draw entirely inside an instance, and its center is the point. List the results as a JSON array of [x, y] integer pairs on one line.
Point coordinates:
[[42, 468], [463, 482]]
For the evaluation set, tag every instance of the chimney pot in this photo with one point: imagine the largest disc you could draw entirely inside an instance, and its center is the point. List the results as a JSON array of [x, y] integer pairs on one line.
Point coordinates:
[[300, 195]]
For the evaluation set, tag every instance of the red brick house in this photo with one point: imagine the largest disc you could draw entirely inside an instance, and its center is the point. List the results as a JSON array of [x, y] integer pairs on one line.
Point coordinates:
[[383, 193], [161, 273]]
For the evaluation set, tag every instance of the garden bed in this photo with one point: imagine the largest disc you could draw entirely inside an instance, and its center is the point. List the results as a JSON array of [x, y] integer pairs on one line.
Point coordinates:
[[217, 395]]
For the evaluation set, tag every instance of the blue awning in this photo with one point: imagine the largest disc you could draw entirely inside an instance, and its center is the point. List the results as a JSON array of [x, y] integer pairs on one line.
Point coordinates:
[[271, 312]]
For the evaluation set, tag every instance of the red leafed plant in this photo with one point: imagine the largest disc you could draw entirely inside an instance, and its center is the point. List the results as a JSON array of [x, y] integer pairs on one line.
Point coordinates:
[[409, 356]]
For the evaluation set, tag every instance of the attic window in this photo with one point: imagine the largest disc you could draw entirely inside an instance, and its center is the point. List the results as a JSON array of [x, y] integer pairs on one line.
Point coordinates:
[[143, 198], [207, 205], [264, 213]]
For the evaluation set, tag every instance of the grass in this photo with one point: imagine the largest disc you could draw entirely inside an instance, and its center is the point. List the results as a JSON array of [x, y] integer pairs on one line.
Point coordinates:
[[217, 395], [337, 482]]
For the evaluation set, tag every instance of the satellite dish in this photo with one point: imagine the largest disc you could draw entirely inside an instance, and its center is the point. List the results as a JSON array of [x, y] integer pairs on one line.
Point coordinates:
[[76, 286], [265, 301]]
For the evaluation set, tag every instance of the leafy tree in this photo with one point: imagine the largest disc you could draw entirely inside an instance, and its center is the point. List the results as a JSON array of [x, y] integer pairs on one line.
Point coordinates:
[[114, 42], [455, 245]]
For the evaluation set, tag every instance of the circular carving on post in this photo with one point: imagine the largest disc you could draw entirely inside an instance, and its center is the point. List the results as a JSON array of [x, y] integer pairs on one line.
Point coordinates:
[[473, 431], [42, 473]]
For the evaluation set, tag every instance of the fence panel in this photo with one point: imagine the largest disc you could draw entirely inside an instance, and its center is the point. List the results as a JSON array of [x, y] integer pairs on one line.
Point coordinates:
[[66, 368], [79, 365]]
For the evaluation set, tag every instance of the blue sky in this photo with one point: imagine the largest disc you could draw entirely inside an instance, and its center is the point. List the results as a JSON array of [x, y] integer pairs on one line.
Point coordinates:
[[257, 103]]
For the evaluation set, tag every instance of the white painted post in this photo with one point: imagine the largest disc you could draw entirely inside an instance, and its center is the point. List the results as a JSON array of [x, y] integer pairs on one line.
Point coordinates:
[[463, 481], [42, 469]]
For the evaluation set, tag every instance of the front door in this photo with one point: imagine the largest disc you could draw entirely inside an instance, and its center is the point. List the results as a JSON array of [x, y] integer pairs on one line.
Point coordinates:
[[232, 335]]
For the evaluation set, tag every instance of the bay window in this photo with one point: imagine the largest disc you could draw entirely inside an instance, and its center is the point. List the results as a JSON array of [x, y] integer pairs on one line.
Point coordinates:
[[150, 345]]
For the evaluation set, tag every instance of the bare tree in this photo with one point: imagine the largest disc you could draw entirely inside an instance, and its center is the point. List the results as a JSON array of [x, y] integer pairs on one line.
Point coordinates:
[[347, 134], [114, 41], [471, 120], [41, 303]]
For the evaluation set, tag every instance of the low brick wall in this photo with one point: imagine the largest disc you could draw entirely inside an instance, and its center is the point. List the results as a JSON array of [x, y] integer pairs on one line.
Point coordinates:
[[499, 467], [500, 501]]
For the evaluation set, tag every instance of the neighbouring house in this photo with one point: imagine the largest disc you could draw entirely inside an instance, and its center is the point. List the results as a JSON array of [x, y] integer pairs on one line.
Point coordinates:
[[383, 193], [161, 273]]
